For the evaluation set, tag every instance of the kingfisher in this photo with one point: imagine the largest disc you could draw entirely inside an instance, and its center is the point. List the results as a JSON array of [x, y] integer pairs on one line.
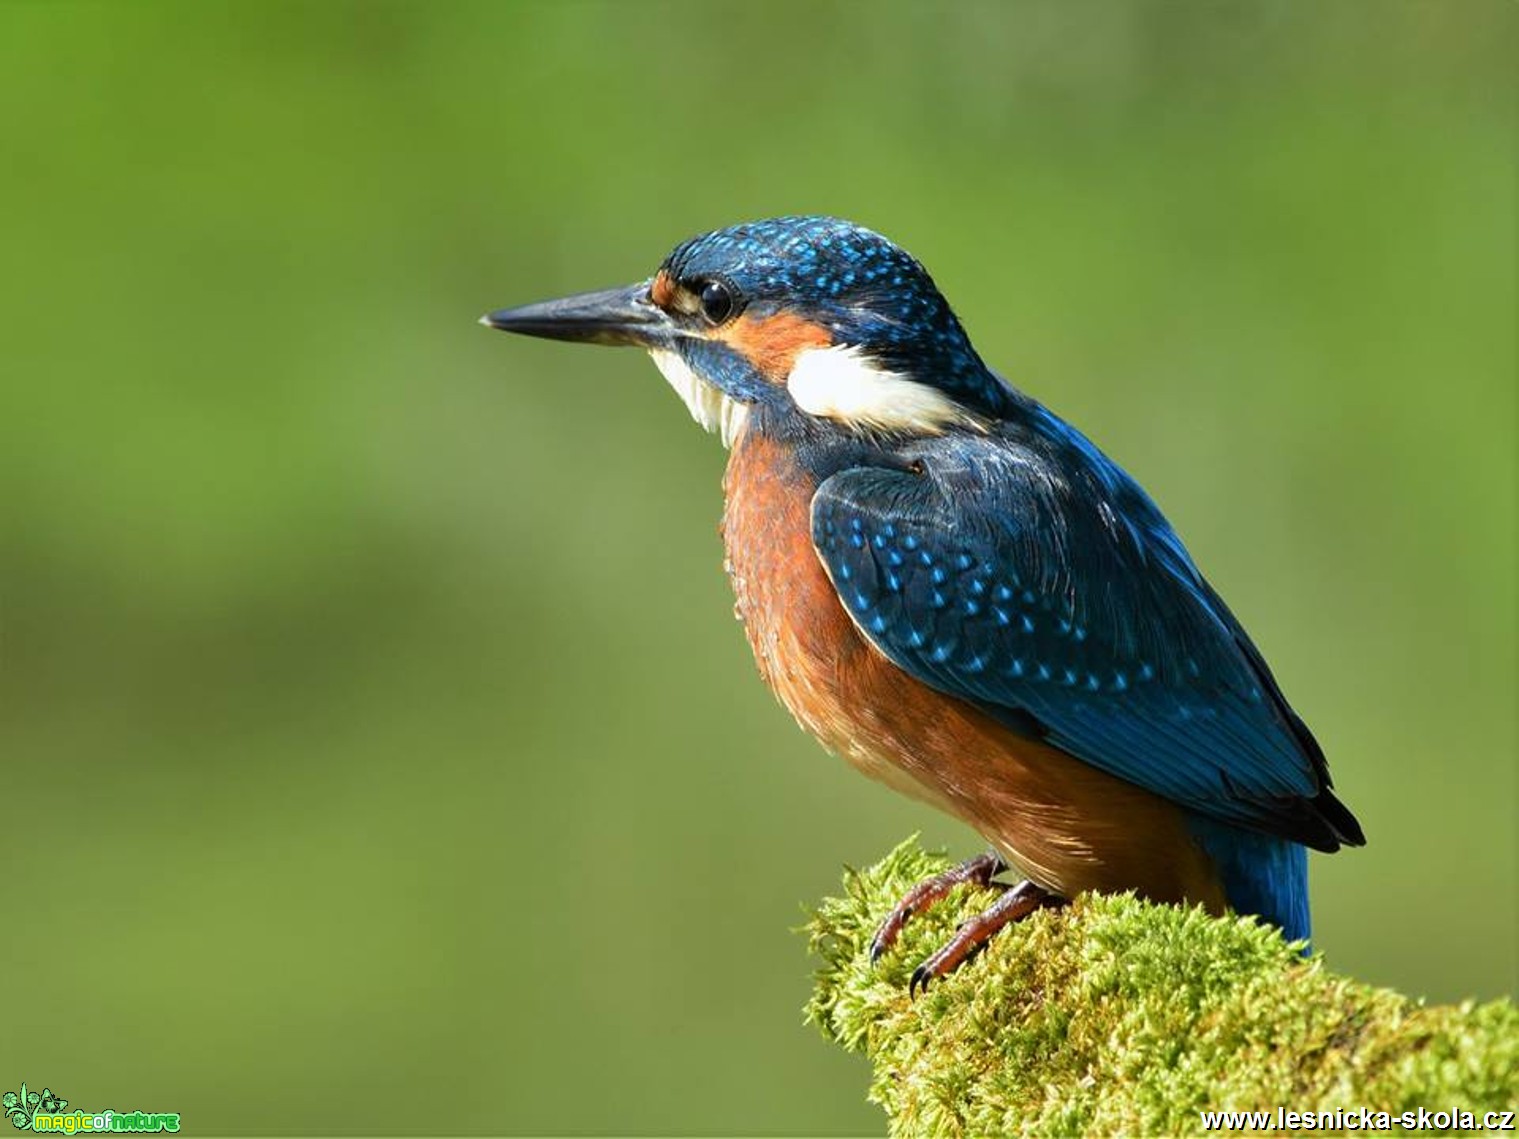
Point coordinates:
[[955, 590]]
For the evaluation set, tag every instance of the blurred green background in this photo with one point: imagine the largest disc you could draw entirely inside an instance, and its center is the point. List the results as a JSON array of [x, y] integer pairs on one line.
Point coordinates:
[[380, 751]]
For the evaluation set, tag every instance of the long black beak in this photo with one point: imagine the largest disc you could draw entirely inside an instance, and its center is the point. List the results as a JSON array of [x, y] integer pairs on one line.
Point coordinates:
[[612, 316]]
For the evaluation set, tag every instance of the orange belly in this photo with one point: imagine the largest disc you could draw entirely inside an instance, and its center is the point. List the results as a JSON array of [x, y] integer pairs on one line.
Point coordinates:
[[1061, 822]]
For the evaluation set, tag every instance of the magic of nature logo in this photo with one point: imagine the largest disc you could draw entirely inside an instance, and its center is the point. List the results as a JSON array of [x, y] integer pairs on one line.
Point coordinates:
[[43, 1111]]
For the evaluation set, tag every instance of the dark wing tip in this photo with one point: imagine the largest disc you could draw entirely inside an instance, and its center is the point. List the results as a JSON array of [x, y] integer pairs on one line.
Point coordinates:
[[1321, 823], [1346, 827]]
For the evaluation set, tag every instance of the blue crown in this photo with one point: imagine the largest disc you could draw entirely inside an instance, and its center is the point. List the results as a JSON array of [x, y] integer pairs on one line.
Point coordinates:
[[867, 290]]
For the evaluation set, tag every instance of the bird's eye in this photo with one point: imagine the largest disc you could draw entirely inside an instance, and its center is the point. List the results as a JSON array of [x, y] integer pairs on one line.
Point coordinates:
[[716, 302]]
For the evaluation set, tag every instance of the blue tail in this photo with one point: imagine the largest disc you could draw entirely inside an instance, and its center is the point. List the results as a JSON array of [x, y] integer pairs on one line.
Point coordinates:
[[1261, 874]]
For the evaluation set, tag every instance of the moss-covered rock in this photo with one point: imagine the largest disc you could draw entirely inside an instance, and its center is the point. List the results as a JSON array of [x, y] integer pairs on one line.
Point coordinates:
[[1118, 1016]]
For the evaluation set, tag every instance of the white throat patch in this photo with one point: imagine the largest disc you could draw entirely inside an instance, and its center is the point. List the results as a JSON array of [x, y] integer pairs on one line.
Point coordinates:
[[841, 383], [708, 405]]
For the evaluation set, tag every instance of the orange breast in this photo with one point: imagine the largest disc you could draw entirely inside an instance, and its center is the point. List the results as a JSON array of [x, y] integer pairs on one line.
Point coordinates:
[[1065, 824]]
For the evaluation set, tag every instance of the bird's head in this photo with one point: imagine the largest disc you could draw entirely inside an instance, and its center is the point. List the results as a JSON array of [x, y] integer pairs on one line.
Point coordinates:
[[809, 316]]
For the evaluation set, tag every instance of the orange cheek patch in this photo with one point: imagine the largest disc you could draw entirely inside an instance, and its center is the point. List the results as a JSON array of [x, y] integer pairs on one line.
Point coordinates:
[[662, 290], [772, 343]]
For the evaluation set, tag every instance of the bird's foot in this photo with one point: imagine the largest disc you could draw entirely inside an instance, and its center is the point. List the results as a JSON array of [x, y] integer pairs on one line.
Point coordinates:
[[1016, 904], [980, 870]]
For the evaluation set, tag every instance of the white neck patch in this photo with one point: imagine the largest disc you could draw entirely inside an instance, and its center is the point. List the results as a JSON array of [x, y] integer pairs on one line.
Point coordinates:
[[843, 384], [709, 406]]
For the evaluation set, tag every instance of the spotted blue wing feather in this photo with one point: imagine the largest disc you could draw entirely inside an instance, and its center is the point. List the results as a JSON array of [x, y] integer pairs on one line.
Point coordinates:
[[1030, 576]]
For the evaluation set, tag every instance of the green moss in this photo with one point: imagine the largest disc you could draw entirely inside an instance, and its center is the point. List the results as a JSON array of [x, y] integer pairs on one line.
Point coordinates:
[[1114, 1015]]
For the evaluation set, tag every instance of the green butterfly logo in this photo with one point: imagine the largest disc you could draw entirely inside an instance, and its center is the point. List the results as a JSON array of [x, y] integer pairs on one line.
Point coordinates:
[[21, 1106]]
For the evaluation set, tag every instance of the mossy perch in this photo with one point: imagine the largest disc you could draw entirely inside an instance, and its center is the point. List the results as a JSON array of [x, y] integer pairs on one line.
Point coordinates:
[[1115, 1016]]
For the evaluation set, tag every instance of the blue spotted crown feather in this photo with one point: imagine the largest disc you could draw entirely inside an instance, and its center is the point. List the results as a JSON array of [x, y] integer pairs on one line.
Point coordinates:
[[844, 275]]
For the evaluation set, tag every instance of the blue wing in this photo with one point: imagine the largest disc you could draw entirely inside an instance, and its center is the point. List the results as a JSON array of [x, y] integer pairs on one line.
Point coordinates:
[[1028, 574]]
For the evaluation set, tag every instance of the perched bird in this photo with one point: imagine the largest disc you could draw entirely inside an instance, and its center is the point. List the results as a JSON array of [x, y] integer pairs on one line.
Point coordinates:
[[954, 589]]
